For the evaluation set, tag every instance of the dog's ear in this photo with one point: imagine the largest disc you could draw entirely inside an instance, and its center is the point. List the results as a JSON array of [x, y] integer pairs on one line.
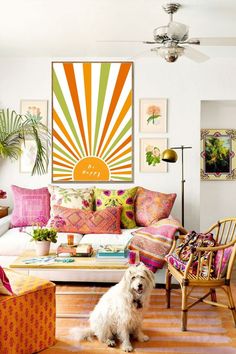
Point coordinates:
[[151, 277]]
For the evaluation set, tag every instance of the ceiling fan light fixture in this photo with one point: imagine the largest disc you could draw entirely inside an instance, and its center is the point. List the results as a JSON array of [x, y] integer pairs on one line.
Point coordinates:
[[170, 54], [177, 31]]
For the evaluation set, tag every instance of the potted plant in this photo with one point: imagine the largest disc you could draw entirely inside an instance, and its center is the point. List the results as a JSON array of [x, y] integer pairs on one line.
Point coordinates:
[[15, 128], [43, 236]]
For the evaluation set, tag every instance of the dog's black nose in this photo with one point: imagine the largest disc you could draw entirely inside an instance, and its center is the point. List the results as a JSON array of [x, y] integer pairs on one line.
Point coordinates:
[[140, 286]]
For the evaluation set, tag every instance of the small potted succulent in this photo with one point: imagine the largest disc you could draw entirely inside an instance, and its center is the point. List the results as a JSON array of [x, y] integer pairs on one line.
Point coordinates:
[[43, 236]]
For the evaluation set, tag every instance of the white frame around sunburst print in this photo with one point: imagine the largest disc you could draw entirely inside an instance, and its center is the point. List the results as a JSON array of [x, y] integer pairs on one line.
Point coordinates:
[[92, 109]]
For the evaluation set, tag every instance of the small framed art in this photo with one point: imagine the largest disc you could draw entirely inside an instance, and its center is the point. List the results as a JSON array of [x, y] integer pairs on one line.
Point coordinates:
[[218, 149], [36, 108], [153, 115], [150, 155], [28, 156]]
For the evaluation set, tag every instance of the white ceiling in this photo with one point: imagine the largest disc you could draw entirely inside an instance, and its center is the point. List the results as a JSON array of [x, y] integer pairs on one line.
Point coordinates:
[[73, 28]]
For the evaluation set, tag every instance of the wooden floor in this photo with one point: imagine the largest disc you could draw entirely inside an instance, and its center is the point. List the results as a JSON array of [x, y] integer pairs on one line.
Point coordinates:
[[210, 331]]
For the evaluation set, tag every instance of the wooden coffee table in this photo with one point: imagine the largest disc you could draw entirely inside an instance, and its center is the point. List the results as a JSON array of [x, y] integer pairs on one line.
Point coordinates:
[[82, 269]]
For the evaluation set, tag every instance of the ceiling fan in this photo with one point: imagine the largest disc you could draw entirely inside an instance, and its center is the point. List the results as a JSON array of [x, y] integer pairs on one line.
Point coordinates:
[[173, 40]]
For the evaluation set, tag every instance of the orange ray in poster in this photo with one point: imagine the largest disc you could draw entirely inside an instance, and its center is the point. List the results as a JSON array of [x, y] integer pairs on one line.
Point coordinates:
[[57, 136], [121, 167], [70, 75], [127, 141], [124, 70], [64, 131], [63, 159], [88, 93], [119, 120], [127, 151]]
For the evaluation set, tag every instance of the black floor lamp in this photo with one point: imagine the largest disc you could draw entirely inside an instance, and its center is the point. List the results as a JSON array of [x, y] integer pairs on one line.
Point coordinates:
[[169, 155]]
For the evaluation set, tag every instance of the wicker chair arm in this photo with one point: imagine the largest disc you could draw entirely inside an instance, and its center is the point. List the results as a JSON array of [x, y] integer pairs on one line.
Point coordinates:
[[214, 248]]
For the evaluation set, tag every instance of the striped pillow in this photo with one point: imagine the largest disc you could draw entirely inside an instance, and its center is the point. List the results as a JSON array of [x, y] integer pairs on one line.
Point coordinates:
[[154, 242]]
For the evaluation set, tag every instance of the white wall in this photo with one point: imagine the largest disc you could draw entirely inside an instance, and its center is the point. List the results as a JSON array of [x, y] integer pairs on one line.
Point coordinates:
[[184, 83], [217, 197]]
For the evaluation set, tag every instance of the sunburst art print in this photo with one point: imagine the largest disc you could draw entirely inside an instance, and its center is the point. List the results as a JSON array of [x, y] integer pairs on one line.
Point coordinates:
[[92, 121]]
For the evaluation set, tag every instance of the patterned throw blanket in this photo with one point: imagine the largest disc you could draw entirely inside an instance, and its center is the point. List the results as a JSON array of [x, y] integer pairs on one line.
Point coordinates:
[[154, 242]]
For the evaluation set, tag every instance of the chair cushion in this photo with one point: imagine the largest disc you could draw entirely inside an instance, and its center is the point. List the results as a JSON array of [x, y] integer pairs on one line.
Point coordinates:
[[221, 271], [152, 206], [181, 255]]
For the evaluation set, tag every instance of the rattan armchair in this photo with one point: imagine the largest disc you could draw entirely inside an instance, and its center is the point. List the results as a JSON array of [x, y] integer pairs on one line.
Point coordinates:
[[225, 235]]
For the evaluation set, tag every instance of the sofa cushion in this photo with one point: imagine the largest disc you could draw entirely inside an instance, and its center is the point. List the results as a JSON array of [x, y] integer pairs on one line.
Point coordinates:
[[152, 206], [29, 205], [121, 197], [88, 221], [71, 198]]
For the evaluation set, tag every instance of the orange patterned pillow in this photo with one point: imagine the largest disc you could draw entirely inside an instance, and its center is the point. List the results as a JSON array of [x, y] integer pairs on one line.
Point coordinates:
[[87, 221], [152, 206]]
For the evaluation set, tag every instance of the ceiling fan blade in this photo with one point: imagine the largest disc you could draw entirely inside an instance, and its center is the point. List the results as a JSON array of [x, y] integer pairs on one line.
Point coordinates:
[[195, 55], [123, 41], [218, 41]]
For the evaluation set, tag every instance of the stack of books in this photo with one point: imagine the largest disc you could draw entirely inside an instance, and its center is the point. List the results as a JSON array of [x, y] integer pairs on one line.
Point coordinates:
[[83, 250], [111, 253]]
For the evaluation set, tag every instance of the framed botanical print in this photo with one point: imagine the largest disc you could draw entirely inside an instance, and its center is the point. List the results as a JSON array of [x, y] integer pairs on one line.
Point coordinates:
[[218, 149], [36, 108], [150, 155], [92, 108], [153, 115]]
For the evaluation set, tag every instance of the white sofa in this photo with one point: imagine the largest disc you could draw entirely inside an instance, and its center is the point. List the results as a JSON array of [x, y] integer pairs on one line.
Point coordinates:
[[13, 242]]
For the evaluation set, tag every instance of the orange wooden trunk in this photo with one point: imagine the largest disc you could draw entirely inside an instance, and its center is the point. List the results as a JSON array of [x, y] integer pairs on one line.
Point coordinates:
[[27, 319]]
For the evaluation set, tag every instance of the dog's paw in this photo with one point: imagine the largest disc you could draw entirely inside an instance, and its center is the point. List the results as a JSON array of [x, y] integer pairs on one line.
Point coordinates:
[[127, 348], [143, 338], [110, 343]]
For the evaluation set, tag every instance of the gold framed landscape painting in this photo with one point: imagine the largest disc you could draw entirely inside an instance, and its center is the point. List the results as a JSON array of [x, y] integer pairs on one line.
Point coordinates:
[[92, 109], [218, 149], [150, 155], [153, 115]]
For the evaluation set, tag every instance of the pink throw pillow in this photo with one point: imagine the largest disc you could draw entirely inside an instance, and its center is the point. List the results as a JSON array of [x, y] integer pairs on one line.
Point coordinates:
[[30, 205], [87, 221], [225, 260], [5, 286], [152, 206]]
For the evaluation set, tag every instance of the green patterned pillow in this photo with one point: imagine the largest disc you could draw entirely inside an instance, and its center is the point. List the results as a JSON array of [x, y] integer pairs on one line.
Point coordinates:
[[123, 197]]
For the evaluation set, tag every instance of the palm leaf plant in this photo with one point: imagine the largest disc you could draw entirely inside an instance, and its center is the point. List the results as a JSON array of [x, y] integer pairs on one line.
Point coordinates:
[[15, 128]]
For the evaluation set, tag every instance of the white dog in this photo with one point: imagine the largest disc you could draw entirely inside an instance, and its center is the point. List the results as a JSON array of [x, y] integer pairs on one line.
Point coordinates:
[[119, 312]]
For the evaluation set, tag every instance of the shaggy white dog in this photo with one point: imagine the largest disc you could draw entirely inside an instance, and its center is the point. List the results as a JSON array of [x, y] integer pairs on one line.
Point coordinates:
[[119, 312]]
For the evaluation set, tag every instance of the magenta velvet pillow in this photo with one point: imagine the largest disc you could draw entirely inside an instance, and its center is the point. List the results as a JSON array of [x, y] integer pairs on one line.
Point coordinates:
[[29, 205], [106, 221], [5, 286], [152, 206]]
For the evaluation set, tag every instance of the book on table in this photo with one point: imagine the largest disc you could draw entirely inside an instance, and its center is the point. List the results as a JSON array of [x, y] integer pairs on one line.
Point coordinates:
[[112, 253]]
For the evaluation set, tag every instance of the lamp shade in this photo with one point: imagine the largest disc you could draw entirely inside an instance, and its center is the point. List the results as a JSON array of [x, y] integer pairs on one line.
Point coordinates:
[[169, 155]]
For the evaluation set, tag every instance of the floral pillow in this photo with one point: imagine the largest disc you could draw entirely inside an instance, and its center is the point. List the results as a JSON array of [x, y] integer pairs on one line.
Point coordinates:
[[121, 197], [71, 198], [152, 206]]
